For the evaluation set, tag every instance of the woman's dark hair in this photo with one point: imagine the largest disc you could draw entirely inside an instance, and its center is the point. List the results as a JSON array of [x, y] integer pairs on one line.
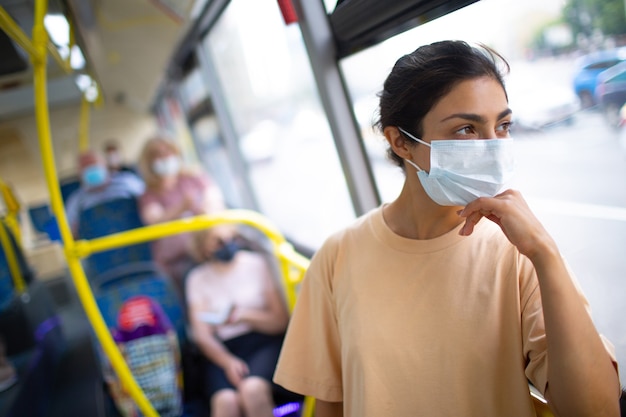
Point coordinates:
[[420, 79]]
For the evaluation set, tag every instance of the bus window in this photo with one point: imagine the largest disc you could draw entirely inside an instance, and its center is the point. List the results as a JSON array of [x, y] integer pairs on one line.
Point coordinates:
[[584, 212], [283, 133]]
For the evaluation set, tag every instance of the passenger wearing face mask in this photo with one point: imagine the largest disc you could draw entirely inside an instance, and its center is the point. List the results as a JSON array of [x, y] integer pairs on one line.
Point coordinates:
[[173, 192], [98, 185], [451, 298], [238, 318]]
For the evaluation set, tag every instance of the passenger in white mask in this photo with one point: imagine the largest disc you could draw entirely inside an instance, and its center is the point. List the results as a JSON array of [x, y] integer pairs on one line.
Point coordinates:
[[173, 192], [451, 299]]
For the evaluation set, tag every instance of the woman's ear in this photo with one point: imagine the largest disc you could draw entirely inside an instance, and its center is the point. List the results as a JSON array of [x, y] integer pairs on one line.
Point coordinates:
[[397, 142]]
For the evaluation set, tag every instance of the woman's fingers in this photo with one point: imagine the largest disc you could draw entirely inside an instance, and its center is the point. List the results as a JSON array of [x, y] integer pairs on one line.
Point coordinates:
[[509, 211]]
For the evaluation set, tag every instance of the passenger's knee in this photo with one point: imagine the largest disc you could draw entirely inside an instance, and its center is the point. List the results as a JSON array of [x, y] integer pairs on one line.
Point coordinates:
[[255, 391], [225, 402]]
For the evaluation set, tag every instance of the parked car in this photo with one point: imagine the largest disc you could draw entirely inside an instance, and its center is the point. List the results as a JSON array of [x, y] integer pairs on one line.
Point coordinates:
[[610, 92], [589, 67], [538, 103]]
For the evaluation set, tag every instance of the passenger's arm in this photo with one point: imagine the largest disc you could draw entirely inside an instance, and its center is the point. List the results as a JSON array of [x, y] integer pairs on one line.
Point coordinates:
[[153, 212], [213, 198], [326, 409], [582, 380], [212, 348]]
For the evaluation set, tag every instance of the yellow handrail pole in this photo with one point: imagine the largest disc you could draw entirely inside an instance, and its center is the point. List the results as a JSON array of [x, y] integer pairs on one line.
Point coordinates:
[[13, 209], [18, 280], [148, 233], [65, 65], [15, 32], [78, 275], [83, 133]]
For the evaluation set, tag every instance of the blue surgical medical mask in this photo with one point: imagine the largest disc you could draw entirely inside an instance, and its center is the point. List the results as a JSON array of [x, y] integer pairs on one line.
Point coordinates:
[[94, 176], [462, 170]]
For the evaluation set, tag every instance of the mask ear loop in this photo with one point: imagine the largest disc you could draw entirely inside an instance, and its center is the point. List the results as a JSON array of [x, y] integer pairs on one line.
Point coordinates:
[[413, 137], [416, 140], [415, 165]]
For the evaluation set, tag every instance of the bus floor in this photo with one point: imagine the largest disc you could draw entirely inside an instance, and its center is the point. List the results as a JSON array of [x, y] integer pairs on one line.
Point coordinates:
[[77, 389]]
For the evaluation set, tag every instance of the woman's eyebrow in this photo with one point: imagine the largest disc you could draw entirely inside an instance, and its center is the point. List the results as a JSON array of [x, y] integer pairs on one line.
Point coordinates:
[[475, 117]]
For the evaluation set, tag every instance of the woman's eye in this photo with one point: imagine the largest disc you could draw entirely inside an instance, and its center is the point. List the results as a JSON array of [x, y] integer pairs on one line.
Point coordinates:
[[466, 130], [505, 127]]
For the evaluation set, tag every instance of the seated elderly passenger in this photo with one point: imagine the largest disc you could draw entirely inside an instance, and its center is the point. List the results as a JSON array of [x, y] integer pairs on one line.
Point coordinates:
[[97, 186], [238, 319]]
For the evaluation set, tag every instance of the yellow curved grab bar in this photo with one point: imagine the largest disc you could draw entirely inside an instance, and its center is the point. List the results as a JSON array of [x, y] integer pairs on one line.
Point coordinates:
[[292, 264], [80, 281], [15, 32]]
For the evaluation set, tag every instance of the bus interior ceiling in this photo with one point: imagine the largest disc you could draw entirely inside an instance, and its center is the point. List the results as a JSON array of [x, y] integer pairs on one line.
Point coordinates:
[[126, 46]]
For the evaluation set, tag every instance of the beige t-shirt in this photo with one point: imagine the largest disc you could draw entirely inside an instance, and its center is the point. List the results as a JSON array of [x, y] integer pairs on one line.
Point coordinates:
[[400, 327]]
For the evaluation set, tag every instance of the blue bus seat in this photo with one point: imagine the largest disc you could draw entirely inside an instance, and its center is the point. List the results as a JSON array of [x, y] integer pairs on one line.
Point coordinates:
[[39, 216], [108, 218], [118, 274], [44, 222], [68, 186]]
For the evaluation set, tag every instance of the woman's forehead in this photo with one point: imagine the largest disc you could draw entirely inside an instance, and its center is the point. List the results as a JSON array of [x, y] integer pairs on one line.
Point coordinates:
[[220, 232], [483, 96], [160, 148]]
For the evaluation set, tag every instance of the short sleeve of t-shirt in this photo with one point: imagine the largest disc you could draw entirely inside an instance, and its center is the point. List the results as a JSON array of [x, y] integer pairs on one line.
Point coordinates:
[[312, 345]]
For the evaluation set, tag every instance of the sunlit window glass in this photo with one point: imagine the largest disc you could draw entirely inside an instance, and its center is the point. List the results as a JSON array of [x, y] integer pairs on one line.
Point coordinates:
[[570, 154], [283, 133]]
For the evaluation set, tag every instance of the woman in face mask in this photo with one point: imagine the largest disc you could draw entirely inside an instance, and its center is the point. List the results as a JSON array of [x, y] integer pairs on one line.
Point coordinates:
[[238, 319], [173, 192], [451, 298]]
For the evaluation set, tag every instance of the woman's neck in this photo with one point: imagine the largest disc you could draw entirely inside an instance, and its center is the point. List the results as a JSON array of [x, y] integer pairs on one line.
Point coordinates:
[[415, 216], [168, 183]]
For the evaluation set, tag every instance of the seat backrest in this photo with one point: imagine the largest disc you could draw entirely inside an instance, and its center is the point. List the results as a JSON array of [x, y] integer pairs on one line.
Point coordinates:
[[68, 186], [119, 274], [39, 216], [107, 218]]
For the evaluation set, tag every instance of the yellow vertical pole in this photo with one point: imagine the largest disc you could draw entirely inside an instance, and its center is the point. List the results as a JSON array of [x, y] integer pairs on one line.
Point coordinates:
[[14, 269], [82, 286], [13, 209]]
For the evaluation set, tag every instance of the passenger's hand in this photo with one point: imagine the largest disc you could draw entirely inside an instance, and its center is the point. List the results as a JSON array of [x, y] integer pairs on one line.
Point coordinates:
[[510, 211], [189, 204], [235, 316], [236, 370]]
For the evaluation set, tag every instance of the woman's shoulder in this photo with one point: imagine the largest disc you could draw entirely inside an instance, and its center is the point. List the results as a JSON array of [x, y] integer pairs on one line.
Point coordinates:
[[362, 225], [358, 231]]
